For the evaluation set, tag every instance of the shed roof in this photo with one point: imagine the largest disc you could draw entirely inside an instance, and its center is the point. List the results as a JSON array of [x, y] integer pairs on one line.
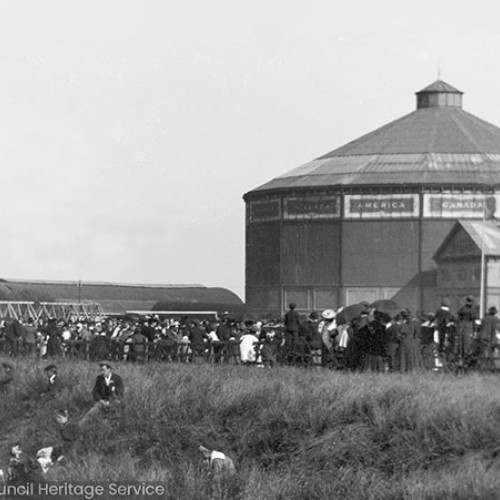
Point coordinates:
[[118, 298], [484, 235]]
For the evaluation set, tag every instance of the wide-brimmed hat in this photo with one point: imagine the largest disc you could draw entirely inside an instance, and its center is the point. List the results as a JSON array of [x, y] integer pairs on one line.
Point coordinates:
[[405, 314], [328, 314]]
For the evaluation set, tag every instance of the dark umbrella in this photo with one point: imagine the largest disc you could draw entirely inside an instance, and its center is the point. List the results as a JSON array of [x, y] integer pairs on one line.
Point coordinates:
[[353, 311], [387, 306], [246, 318]]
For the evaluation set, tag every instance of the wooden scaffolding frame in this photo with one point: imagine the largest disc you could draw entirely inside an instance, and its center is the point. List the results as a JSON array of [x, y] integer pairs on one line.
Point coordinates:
[[18, 309], [61, 310], [71, 310]]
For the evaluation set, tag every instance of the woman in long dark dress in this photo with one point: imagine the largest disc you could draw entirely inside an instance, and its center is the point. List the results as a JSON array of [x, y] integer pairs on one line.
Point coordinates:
[[411, 356], [353, 354], [54, 335], [465, 328]]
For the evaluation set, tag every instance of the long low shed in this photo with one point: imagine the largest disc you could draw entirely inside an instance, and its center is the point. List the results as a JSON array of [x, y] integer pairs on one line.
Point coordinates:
[[118, 298]]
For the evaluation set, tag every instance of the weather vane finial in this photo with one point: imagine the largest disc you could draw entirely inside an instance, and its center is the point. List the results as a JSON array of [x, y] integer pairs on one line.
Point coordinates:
[[439, 70]]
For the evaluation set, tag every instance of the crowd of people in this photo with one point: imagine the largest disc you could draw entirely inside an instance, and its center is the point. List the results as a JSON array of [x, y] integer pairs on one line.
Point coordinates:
[[353, 338]]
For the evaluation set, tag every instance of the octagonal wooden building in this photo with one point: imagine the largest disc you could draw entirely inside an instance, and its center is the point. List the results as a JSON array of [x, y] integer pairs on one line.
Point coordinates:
[[364, 221]]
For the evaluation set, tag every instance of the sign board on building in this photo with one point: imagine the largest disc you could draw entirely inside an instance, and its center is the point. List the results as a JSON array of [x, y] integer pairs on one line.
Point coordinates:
[[381, 206], [311, 207], [461, 206], [264, 210]]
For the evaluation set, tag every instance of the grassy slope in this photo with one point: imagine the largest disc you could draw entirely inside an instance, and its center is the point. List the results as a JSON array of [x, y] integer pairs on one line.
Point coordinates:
[[294, 434]]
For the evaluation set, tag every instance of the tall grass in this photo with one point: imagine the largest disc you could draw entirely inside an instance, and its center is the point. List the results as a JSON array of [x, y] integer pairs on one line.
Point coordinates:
[[293, 433]]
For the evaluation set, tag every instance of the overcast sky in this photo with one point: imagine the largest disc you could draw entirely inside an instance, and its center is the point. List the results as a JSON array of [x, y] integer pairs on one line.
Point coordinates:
[[130, 129]]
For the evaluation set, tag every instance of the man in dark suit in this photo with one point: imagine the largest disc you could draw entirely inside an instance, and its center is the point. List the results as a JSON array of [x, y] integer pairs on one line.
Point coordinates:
[[13, 332], [108, 392], [147, 330], [291, 322], [198, 339], [108, 386], [442, 318]]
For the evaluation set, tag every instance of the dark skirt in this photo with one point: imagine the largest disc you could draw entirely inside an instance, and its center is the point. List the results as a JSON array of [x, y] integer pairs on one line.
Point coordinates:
[[411, 357]]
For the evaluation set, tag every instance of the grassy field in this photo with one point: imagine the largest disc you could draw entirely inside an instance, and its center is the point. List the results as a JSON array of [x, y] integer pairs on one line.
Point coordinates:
[[293, 433]]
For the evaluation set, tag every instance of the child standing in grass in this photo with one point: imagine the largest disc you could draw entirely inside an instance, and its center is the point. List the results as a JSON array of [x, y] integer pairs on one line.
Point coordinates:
[[269, 349]]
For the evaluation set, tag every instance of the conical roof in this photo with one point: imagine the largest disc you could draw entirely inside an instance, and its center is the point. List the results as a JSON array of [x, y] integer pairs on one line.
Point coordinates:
[[437, 144], [440, 86]]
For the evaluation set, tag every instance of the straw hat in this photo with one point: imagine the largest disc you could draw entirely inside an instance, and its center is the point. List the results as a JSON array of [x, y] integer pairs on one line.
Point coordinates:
[[328, 314]]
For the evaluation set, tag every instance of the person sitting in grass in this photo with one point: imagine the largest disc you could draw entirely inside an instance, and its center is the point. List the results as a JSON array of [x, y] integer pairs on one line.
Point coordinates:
[[220, 468], [6, 376], [219, 464], [70, 433], [52, 380], [22, 468], [108, 393], [69, 430]]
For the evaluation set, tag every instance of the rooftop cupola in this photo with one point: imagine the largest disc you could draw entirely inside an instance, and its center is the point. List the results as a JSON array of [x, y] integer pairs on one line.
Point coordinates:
[[439, 95]]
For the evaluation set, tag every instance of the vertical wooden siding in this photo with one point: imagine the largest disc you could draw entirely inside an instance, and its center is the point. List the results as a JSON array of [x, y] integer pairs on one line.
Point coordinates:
[[311, 253], [380, 252], [263, 253]]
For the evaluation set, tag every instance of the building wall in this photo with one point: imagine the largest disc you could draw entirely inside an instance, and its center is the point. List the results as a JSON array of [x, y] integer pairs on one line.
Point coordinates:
[[380, 252], [463, 273], [433, 233], [263, 299], [492, 283], [263, 254], [310, 298], [311, 253], [493, 273], [331, 249]]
